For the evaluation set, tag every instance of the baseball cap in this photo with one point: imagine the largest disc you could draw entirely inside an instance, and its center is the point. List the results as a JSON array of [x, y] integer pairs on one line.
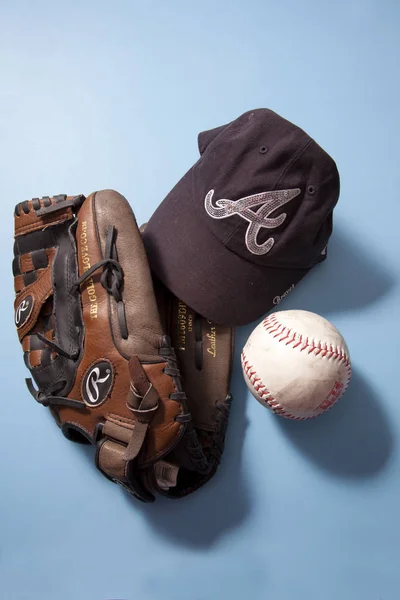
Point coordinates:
[[247, 221]]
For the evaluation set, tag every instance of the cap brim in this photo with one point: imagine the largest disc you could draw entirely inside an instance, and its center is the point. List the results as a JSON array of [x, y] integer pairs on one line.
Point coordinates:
[[194, 264]]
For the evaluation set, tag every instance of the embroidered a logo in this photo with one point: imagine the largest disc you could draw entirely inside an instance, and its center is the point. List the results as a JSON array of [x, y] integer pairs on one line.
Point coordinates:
[[268, 202], [97, 383]]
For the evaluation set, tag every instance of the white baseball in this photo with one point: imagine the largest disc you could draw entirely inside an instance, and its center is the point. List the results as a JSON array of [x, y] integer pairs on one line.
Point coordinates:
[[296, 363]]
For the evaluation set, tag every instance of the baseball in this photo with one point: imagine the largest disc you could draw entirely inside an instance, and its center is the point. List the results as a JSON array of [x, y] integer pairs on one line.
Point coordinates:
[[296, 363]]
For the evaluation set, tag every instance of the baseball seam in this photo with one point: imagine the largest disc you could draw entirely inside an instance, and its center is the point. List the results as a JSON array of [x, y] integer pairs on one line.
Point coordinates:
[[263, 392], [289, 336]]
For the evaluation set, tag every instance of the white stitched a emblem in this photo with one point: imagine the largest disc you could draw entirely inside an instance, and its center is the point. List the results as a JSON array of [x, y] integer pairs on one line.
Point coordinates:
[[268, 202]]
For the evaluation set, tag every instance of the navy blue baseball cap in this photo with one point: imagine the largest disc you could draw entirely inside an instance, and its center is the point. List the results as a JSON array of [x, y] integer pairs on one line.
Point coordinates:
[[247, 221]]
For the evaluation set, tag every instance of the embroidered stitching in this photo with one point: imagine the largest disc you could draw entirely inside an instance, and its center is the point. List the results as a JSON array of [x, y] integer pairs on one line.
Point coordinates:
[[268, 203], [278, 330], [288, 336], [263, 392]]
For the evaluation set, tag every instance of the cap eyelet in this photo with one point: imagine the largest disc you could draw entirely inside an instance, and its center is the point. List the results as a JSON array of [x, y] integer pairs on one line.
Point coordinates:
[[311, 190], [263, 149]]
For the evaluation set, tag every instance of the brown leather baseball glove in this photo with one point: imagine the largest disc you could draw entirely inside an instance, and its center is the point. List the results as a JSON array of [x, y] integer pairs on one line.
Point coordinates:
[[88, 320]]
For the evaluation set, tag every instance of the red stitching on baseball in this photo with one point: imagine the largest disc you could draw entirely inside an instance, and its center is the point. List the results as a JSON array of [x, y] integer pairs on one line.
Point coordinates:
[[277, 329], [263, 392], [311, 346], [292, 339]]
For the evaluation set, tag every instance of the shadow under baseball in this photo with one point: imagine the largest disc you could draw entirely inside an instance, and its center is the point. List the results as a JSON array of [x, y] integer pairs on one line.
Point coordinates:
[[349, 279], [352, 440]]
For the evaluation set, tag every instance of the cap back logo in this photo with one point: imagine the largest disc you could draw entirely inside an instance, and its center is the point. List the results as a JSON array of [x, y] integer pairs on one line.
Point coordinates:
[[260, 219], [23, 311], [97, 383]]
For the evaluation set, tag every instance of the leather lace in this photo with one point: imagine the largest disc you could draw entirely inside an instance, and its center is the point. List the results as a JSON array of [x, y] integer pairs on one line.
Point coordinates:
[[191, 440], [112, 280]]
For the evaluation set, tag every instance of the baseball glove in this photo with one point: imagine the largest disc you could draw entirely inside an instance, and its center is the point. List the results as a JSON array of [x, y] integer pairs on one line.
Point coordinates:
[[89, 324]]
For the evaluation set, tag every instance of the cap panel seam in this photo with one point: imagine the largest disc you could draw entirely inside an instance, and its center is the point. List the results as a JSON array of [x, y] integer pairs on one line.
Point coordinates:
[[234, 127], [295, 157], [291, 162]]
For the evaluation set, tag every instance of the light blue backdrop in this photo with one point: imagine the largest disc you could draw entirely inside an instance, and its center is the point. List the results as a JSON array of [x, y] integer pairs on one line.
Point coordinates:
[[112, 94]]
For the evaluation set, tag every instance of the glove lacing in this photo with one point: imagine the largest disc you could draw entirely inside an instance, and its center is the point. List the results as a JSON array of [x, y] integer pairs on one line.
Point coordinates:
[[112, 280], [191, 440]]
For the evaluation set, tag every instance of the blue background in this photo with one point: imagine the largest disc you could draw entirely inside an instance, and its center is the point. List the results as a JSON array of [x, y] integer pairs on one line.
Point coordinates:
[[113, 94]]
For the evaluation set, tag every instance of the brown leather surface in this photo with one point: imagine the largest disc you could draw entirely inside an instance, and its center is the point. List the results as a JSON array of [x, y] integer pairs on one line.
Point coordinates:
[[18, 283], [143, 321], [99, 342], [25, 223], [40, 290], [163, 429], [35, 358], [163, 384], [49, 334], [152, 414], [139, 377], [111, 460], [162, 432], [118, 429], [26, 262]]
